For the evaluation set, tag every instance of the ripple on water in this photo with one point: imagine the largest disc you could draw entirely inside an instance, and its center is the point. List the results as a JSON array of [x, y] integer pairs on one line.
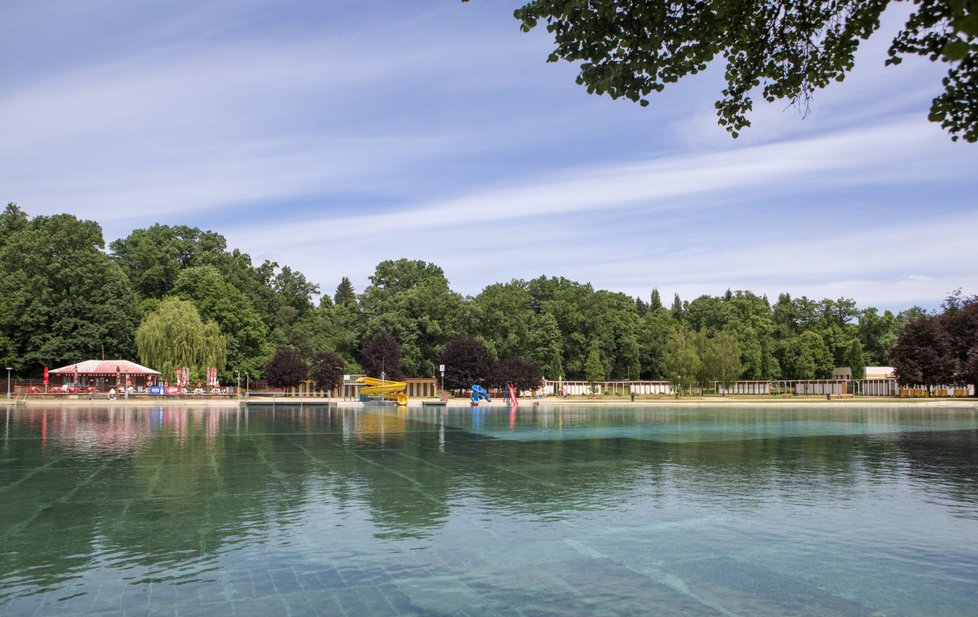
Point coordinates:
[[576, 511]]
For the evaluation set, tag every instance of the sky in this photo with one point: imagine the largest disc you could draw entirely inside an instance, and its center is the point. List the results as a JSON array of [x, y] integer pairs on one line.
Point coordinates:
[[328, 136]]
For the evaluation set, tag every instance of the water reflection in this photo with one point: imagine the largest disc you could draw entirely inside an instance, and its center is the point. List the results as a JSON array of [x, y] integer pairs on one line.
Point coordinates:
[[167, 495]]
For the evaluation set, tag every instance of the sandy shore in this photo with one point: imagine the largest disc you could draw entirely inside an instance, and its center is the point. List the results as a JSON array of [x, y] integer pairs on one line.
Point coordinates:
[[696, 401]]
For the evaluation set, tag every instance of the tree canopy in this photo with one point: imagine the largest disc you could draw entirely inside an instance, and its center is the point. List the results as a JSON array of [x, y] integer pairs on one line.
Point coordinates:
[[327, 370], [175, 336], [940, 349], [345, 294], [248, 348], [593, 364], [63, 300], [806, 356], [524, 374], [772, 49], [153, 257], [720, 359], [381, 355], [413, 302], [286, 369], [682, 361], [467, 362]]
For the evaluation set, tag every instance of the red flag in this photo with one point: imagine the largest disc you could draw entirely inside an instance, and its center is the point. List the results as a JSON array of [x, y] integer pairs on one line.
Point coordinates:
[[45, 375]]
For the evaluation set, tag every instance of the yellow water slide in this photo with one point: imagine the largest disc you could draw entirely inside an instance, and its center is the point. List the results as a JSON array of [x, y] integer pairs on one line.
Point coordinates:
[[378, 387]]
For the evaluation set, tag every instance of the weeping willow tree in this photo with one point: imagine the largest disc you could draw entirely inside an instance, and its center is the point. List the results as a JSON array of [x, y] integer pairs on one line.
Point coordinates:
[[173, 335]]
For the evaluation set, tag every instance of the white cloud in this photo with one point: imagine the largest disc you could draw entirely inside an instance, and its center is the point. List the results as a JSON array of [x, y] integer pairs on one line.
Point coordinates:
[[200, 127], [654, 185], [548, 226], [473, 153]]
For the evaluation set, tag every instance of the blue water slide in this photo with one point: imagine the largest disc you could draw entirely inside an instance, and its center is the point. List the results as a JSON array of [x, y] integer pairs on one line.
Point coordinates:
[[479, 393]]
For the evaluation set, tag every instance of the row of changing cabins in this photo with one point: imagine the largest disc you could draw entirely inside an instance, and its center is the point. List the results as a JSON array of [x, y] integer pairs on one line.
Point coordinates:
[[877, 381], [819, 387]]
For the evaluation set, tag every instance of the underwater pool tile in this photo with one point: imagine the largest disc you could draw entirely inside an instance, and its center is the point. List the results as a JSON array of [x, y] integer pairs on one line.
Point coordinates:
[[567, 608], [293, 605], [570, 512], [742, 588], [262, 584], [154, 611], [320, 602], [399, 601], [359, 601], [442, 593], [357, 577], [265, 606], [36, 604], [285, 581], [214, 595], [164, 594], [329, 578], [309, 580], [135, 597]]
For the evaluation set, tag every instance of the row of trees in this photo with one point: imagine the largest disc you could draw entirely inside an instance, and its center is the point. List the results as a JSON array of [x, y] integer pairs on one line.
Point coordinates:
[[177, 296], [942, 348], [467, 361]]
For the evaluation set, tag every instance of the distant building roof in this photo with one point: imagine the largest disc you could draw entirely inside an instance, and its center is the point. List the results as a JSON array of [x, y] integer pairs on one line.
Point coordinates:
[[104, 368], [879, 372]]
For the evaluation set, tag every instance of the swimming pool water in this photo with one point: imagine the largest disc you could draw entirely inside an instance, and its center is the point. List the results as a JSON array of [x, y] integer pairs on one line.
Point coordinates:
[[483, 511]]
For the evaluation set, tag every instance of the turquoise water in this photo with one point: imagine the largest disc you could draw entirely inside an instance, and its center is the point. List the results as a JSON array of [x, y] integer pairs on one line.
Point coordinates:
[[459, 511]]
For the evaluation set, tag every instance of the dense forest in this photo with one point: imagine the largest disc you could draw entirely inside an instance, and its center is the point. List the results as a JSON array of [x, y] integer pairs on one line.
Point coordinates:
[[176, 295]]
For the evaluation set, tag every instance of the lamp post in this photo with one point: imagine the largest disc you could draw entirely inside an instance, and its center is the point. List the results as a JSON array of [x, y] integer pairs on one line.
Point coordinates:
[[247, 383], [238, 389], [8, 382]]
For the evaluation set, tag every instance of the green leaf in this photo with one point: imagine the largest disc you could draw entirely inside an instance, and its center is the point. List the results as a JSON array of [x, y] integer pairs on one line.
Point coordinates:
[[956, 50], [967, 25]]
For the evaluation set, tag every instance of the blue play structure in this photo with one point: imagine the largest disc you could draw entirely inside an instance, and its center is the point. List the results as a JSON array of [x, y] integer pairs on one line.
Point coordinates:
[[479, 393]]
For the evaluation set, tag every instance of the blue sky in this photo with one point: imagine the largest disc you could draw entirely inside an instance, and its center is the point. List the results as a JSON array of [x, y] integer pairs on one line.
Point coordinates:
[[329, 136]]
